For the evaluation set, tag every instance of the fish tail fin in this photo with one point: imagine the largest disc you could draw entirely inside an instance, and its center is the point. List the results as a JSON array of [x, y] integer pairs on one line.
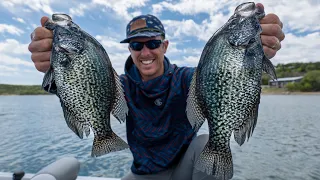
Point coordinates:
[[268, 68], [214, 163], [107, 143]]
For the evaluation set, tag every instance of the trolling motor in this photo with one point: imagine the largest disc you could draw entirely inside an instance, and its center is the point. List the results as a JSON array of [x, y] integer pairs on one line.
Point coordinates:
[[66, 168], [18, 175]]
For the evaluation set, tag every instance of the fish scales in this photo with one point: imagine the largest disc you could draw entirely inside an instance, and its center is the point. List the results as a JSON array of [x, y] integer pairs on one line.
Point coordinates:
[[88, 87], [226, 86]]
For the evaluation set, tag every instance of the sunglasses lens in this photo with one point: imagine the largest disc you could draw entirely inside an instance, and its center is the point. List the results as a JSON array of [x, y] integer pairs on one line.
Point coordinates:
[[152, 44], [137, 46]]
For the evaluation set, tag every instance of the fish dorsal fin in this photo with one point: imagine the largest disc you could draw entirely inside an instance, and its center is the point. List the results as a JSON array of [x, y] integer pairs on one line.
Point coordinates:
[[193, 110], [119, 108]]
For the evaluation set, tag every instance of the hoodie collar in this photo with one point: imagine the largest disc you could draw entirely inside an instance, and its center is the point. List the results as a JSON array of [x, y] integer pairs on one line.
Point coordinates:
[[133, 73], [153, 86]]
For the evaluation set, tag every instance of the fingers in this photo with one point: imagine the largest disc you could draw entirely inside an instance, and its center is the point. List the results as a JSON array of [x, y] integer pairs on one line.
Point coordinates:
[[42, 66], [41, 60], [43, 20], [40, 56], [269, 52], [261, 5], [40, 46], [41, 33], [271, 19], [271, 42], [272, 30]]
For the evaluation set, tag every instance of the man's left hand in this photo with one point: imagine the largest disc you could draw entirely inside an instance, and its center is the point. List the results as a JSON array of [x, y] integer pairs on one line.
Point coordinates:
[[272, 34]]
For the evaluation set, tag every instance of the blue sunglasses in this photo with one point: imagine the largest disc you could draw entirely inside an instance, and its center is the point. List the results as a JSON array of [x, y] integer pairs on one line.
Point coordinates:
[[152, 44]]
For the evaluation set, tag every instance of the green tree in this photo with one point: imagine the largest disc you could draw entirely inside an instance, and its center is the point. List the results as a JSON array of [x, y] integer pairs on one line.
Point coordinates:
[[311, 81]]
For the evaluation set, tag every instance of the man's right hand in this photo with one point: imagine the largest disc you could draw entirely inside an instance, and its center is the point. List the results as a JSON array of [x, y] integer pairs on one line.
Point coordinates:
[[40, 47]]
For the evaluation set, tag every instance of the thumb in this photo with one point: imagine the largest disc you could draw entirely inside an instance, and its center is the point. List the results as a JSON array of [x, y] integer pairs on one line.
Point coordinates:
[[259, 5], [43, 20]]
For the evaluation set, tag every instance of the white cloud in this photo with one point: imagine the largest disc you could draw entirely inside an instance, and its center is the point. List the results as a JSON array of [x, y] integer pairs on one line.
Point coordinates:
[[117, 52], [12, 46], [118, 61], [10, 29], [19, 20], [111, 44], [79, 11], [203, 31], [7, 68], [191, 7], [299, 49], [34, 5], [11, 60], [297, 15], [177, 29], [11, 52], [121, 7]]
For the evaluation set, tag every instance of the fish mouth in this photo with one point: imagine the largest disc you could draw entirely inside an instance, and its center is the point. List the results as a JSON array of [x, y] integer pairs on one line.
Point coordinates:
[[246, 9], [249, 9], [147, 62]]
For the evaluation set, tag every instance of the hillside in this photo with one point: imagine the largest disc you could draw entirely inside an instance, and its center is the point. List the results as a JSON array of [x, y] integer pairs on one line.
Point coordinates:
[[6, 89], [310, 82]]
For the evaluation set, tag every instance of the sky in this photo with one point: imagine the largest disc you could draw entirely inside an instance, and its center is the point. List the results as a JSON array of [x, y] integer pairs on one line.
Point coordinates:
[[188, 23]]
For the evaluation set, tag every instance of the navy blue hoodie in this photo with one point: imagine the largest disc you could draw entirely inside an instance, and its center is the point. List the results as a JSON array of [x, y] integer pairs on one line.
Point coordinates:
[[158, 131]]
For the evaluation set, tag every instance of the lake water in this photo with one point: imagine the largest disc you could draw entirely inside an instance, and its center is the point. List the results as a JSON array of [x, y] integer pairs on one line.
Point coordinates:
[[284, 145]]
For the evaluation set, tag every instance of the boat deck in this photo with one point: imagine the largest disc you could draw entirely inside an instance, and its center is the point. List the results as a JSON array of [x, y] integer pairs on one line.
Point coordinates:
[[8, 176]]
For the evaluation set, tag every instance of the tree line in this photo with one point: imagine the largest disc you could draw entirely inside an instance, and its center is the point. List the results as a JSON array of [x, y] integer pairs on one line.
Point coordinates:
[[310, 72]]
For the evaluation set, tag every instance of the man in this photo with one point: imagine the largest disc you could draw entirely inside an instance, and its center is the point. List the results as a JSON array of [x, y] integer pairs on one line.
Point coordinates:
[[158, 132]]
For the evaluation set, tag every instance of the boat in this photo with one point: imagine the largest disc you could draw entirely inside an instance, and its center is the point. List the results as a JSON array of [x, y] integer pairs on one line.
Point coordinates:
[[66, 168]]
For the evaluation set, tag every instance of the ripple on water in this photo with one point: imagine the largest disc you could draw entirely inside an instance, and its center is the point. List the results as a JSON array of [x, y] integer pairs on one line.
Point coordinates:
[[284, 145]]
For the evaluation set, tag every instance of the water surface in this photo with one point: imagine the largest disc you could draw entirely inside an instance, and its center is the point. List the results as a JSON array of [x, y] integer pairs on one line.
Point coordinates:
[[284, 145]]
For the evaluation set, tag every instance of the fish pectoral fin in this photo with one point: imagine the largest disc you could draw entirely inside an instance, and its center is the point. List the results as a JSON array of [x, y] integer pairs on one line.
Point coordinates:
[[119, 108], [246, 129], [217, 164], [110, 142], [76, 125], [268, 68], [193, 110], [48, 83]]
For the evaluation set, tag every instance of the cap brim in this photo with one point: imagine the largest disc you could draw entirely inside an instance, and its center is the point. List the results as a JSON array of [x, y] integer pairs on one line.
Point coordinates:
[[140, 35]]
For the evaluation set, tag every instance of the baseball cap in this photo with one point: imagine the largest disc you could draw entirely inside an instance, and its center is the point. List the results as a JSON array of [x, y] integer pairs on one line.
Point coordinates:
[[144, 26]]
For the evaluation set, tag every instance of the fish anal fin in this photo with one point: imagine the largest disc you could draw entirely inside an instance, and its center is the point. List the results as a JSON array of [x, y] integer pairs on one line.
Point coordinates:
[[268, 68], [119, 108], [246, 129], [110, 142], [78, 127], [193, 110]]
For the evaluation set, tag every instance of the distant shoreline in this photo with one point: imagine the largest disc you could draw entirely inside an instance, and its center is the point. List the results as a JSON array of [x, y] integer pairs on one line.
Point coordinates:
[[262, 93], [23, 90], [290, 93]]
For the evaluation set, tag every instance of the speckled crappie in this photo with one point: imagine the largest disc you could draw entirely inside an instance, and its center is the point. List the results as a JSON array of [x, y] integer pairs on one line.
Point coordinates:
[[226, 87], [89, 89]]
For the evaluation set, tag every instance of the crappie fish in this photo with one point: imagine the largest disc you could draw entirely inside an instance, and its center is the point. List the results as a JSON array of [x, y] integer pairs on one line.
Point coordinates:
[[226, 86], [89, 89]]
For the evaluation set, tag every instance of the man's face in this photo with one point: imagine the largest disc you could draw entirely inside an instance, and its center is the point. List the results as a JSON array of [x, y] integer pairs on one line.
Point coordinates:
[[149, 61]]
